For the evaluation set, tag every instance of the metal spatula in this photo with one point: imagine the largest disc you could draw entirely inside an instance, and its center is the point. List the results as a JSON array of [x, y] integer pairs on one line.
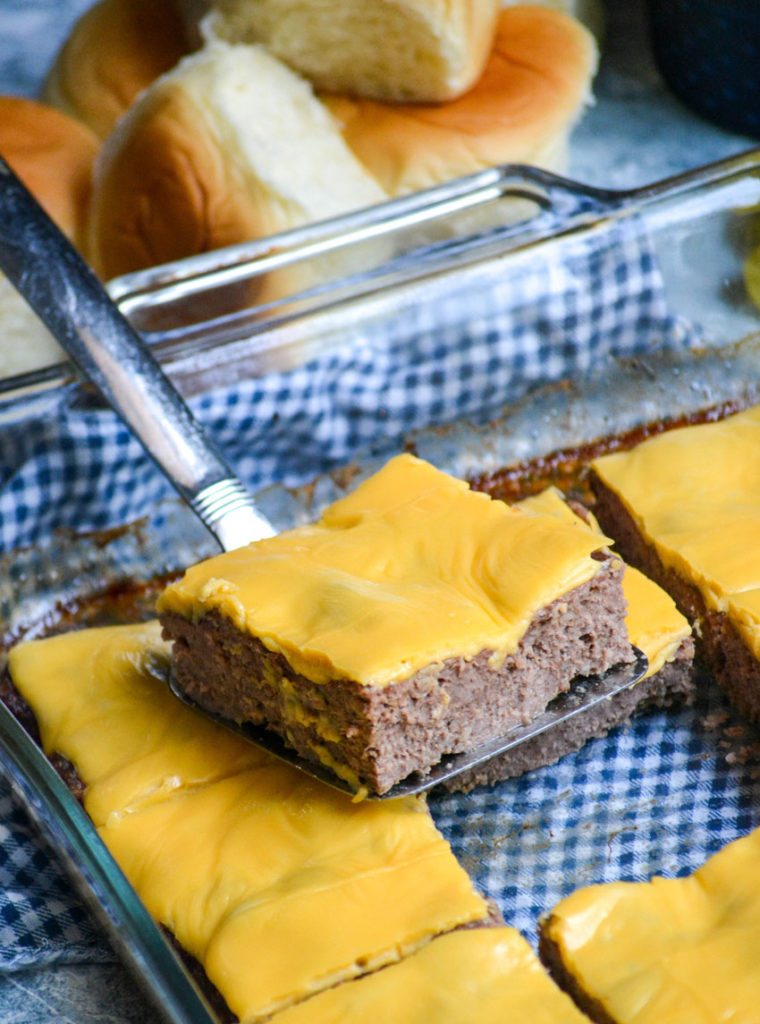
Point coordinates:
[[68, 297], [45, 267]]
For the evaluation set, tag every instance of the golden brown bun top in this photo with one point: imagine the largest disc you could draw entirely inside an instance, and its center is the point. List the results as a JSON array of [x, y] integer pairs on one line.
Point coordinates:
[[164, 192], [532, 90], [115, 50], [53, 155], [228, 146]]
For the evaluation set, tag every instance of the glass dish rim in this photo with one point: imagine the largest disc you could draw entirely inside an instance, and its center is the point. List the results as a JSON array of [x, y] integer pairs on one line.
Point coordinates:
[[569, 207]]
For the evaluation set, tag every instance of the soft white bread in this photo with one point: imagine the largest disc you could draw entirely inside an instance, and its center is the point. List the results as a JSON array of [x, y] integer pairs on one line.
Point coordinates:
[[533, 90], [405, 50], [25, 343], [115, 50], [228, 146], [53, 155]]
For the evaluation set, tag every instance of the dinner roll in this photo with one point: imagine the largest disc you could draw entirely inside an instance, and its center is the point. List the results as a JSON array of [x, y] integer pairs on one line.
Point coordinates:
[[53, 155], [532, 91], [228, 146], [420, 50], [115, 50], [26, 343]]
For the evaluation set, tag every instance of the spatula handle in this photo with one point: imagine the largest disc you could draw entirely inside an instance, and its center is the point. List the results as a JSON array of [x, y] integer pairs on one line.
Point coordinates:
[[66, 294]]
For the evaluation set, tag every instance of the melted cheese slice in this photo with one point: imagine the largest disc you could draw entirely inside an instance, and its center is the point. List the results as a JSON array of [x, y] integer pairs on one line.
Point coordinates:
[[694, 493], [670, 950], [488, 975], [411, 568], [653, 622], [279, 885], [101, 699]]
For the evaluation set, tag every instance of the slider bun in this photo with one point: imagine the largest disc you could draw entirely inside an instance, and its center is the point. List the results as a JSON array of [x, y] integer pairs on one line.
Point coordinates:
[[27, 344], [115, 50], [532, 91], [53, 155], [228, 146], [419, 50]]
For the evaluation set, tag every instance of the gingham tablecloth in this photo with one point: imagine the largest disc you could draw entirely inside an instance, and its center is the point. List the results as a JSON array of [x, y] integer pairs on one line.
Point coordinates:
[[78, 467], [618, 807]]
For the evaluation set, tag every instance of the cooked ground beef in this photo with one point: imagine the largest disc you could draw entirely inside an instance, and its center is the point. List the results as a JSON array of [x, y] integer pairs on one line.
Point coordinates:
[[385, 733]]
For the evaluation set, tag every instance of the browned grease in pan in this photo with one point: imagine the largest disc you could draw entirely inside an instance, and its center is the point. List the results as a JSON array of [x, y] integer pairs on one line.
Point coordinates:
[[567, 468]]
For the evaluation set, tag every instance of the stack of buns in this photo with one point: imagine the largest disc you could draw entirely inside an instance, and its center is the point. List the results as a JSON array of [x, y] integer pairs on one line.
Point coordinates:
[[220, 121]]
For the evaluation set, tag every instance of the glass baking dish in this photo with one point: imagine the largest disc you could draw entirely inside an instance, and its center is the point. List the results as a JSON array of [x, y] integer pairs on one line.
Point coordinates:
[[620, 807], [277, 303]]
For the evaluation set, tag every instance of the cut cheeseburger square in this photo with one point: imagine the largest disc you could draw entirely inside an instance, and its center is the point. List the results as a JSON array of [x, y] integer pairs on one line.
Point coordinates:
[[683, 506], [416, 618]]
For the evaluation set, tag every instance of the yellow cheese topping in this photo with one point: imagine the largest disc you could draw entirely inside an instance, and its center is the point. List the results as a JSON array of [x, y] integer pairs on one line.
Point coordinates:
[[483, 975], [694, 493], [411, 568], [279, 885], [654, 623], [670, 950]]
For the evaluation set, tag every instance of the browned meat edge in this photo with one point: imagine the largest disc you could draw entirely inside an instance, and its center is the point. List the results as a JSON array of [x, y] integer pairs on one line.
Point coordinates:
[[673, 684], [551, 957], [385, 733], [718, 646]]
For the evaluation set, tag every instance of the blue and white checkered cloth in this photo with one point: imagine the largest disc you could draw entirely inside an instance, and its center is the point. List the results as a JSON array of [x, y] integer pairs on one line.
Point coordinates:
[[657, 797], [41, 920], [460, 357]]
